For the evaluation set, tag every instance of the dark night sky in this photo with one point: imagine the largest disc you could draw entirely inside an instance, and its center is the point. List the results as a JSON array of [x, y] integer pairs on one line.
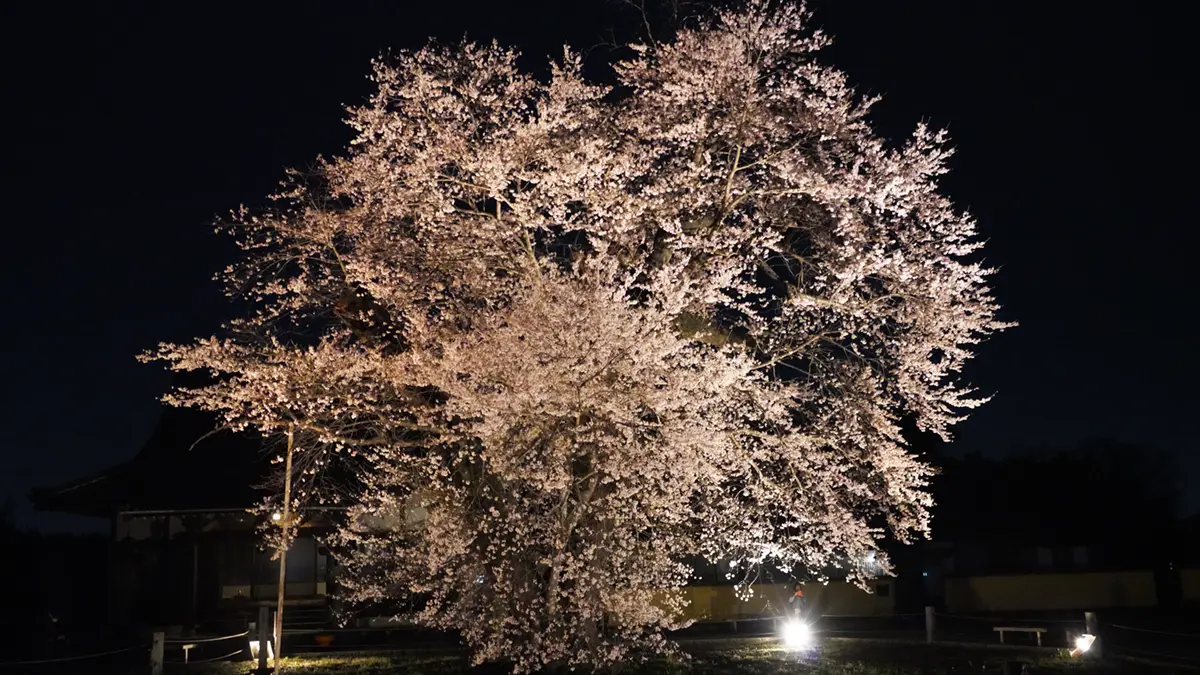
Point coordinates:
[[132, 126]]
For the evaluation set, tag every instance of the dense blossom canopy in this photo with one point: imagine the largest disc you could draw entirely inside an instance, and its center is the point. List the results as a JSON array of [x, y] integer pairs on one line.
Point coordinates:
[[555, 339]]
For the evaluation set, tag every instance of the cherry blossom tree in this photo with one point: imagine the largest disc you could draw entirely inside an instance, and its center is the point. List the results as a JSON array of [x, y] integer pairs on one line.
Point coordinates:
[[553, 339]]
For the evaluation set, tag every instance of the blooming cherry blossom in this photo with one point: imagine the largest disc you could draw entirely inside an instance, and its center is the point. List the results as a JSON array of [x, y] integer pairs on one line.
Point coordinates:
[[552, 340]]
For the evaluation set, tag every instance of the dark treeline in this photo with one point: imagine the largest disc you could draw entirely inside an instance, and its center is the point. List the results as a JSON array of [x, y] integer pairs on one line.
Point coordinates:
[[1118, 499], [57, 586]]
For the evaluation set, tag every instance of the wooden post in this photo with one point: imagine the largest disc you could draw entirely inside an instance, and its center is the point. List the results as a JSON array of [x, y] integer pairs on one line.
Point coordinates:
[[284, 522], [929, 624], [156, 654], [264, 636], [195, 582]]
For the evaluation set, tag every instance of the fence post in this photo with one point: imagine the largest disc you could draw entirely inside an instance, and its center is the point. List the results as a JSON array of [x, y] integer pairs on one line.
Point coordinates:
[[156, 654], [1092, 627], [929, 625], [264, 636]]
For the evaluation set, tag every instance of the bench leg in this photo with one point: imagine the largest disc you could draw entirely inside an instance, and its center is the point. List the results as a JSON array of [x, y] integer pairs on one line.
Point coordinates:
[[1039, 636], [1001, 637]]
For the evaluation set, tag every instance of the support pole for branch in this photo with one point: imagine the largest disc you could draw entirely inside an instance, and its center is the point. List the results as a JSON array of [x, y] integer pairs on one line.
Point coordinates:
[[284, 523], [929, 624]]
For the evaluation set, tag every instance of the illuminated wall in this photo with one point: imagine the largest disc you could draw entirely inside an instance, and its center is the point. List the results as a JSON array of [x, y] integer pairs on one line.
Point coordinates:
[[719, 603], [1045, 592], [1189, 585]]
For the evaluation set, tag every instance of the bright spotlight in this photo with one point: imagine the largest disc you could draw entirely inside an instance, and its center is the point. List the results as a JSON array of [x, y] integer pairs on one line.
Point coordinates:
[[277, 516], [1082, 644], [796, 635]]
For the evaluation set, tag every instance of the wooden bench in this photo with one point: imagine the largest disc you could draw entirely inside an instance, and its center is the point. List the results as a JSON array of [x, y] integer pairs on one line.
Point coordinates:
[[1019, 629]]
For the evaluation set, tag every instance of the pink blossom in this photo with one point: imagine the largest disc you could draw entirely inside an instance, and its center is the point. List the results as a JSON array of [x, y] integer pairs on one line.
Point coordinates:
[[551, 341]]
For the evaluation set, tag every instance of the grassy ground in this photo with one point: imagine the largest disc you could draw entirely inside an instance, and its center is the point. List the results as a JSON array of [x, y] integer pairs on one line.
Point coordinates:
[[835, 657]]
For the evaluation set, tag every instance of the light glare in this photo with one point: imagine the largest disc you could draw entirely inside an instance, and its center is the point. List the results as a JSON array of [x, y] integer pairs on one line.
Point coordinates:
[[796, 635], [1082, 644]]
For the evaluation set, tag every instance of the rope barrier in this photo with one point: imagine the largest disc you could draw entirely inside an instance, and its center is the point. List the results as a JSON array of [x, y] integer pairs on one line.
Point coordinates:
[[179, 641], [215, 658], [1150, 630], [73, 658]]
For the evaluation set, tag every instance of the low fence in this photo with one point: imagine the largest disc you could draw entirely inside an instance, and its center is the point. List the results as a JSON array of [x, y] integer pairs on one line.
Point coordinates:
[[203, 649], [118, 661], [150, 656], [1172, 642], [1167, 640]]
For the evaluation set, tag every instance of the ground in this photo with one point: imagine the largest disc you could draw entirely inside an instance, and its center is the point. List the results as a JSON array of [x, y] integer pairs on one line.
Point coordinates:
[[836, 657]]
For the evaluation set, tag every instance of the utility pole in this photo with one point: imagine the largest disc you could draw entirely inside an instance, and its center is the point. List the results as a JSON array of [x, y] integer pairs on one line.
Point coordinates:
[[284, 522]]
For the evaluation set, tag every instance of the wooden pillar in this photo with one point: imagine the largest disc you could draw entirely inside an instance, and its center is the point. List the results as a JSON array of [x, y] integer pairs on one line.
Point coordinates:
[[156, 654], [195, 581], [1092, 627], [264, 636]]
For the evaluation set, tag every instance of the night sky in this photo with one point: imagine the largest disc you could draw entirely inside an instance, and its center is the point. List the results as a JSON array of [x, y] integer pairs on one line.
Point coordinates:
[[130, 127]]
